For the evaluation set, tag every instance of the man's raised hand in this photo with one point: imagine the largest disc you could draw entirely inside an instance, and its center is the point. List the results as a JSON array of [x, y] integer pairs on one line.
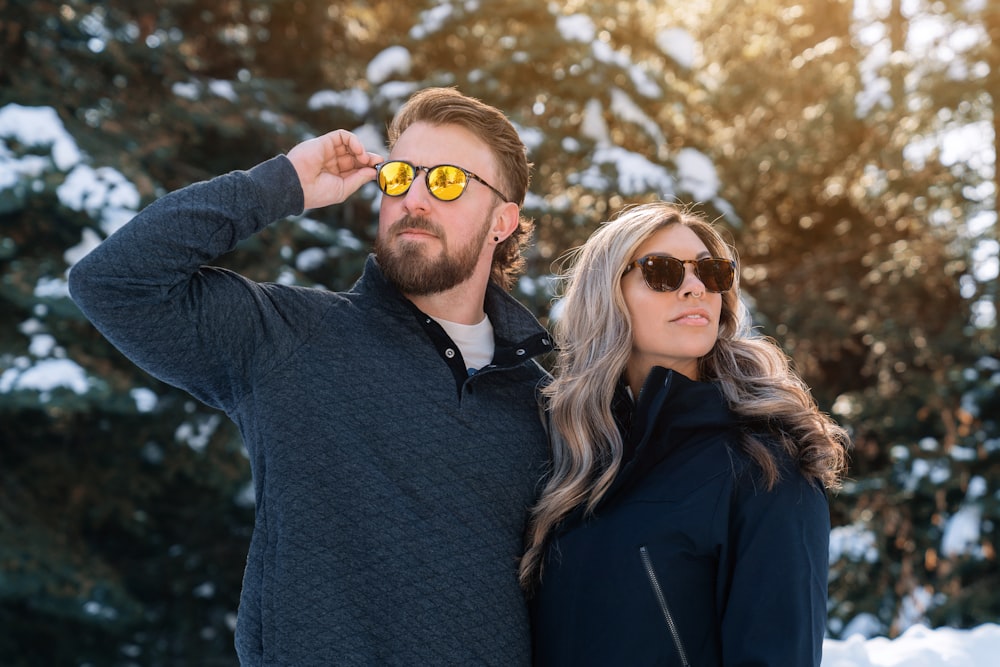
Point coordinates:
[[332, 167]]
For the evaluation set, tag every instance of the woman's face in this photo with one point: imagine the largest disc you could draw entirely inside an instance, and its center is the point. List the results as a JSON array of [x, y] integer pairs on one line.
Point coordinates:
[[670, 329]]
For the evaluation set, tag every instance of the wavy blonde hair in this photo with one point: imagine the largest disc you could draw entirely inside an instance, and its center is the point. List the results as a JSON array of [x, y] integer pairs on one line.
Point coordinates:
[[594, 337]]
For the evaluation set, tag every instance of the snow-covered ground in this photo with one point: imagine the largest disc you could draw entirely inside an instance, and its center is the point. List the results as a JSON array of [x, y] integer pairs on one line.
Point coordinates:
[[919, 646]]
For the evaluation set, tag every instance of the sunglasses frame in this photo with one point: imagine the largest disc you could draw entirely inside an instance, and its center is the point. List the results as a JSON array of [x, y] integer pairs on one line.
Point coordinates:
[[641, 263], [427, 179]]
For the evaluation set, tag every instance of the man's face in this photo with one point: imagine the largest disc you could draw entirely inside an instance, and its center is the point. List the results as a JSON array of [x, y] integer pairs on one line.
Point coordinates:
[[425, 245]]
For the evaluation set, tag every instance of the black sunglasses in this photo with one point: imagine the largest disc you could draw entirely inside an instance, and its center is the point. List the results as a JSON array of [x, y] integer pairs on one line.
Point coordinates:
[[665, 274], [445, 182]]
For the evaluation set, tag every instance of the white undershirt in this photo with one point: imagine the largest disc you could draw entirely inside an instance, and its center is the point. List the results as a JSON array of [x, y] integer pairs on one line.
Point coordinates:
[[474, 341]]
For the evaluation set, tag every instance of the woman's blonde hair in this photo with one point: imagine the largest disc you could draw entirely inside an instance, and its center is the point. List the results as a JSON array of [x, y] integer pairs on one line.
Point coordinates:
[[593, 333]]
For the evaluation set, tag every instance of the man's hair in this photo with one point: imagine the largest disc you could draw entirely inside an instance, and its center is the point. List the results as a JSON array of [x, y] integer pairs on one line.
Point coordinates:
[[447, 106]]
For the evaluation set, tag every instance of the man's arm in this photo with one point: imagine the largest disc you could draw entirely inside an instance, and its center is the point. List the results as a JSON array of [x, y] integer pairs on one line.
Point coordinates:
[[147, 289]]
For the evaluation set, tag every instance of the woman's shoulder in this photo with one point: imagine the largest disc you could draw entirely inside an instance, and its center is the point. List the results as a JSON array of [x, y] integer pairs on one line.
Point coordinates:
[[749, 472]]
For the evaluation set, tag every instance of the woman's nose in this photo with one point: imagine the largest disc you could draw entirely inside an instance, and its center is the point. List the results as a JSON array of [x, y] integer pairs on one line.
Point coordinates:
[[692, 284]]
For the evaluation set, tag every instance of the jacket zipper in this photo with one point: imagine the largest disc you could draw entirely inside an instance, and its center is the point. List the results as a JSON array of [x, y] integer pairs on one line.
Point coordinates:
[[662, 600]]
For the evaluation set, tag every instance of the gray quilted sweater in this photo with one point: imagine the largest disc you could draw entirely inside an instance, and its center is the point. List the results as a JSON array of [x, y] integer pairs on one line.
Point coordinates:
[[391, 489]]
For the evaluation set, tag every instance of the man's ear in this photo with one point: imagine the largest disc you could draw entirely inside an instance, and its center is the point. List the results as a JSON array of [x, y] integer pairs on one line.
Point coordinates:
[[506, 218]]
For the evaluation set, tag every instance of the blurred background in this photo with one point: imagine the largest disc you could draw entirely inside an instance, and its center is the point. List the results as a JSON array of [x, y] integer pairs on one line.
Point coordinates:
[[848, 148]]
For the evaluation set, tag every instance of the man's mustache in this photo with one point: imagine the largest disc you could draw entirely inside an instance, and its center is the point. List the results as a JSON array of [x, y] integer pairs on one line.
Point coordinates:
[[414, 222]]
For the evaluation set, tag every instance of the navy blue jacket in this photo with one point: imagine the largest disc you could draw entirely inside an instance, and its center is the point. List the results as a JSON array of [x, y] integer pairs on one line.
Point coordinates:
[[687, 559]]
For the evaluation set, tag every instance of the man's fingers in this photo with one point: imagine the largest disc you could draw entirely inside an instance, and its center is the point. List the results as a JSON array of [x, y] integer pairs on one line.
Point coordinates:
[[332, 166]]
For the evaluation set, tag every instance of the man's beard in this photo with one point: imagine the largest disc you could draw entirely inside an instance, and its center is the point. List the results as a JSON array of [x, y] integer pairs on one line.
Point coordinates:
[[405, 265]]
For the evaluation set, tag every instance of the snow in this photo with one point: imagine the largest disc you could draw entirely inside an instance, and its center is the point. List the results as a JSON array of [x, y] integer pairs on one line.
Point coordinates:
[[962, 529], [986, 260], [431, 21], [187, 90], [919, 646], [88, 241], [354, 100], [854, 542], [624, 108], [636, 174], [576, 28], [393, 61], [310, 259], [44, 376], [371, 138], [593, 126], [679, 45], [223, 89], [198, 431], [104, 193], [697, 174], [145, 399], [38, 127]]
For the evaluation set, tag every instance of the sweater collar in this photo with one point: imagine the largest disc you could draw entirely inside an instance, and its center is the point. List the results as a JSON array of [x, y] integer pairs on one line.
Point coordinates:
[[517, 332]]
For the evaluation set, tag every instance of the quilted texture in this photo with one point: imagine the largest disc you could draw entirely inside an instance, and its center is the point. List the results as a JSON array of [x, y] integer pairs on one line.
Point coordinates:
[[391, 497]]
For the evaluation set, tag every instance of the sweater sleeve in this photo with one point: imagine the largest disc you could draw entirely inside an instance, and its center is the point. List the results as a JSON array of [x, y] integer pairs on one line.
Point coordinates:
[[774, 609], [148, 290]]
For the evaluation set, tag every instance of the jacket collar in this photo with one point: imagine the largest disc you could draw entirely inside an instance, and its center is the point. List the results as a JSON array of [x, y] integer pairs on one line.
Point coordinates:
[[671, 412]]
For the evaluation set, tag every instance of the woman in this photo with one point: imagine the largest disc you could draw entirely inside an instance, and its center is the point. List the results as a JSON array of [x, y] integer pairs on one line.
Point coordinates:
[[685, 520]]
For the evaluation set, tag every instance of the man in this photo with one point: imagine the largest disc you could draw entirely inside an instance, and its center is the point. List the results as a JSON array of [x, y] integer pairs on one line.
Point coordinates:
[[392, 429]]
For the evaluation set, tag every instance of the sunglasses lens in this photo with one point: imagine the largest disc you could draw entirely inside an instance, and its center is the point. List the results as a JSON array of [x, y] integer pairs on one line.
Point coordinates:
[[395, 178], [446, 182], [663, 274], [716, 274]]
